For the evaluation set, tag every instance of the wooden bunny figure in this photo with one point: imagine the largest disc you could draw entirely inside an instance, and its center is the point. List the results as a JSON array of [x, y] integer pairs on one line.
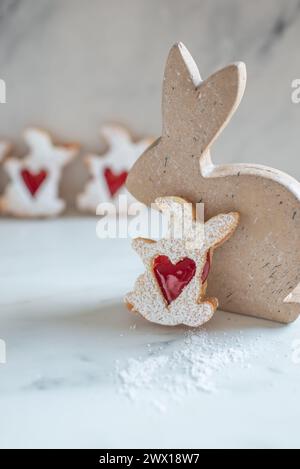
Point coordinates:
[[172, 290], [259, 273]]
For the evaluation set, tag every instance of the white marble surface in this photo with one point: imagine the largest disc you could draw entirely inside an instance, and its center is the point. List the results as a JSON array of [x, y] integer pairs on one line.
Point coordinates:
[[64, 324], [69, 65]]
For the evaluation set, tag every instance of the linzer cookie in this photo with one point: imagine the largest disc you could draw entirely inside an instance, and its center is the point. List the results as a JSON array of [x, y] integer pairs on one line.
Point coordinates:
[[34, 180], [108, 172], [259, 273], [172, 290]]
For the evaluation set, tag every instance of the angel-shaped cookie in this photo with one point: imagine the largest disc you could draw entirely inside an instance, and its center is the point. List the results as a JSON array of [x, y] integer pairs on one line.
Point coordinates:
[[34, 179], [259, 274], [108, 172], [172, 290]]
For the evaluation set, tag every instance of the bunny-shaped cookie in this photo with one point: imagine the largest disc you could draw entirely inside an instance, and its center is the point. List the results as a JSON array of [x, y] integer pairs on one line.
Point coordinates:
[[109, 171], [172, 290], [259, 273], [34, 179]]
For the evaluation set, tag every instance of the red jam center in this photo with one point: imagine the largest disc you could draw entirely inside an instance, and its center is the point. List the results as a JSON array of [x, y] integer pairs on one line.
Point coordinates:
[[114, 181], [206, 268], [33, 181], [173, 278]]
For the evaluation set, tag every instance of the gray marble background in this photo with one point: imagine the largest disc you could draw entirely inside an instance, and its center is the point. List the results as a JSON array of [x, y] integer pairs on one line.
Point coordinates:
[[70, 65]]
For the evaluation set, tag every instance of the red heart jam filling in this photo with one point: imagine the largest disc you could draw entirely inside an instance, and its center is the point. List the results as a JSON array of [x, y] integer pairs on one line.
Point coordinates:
[[206, 268], [173, 278], [33, 181], [114, 181]]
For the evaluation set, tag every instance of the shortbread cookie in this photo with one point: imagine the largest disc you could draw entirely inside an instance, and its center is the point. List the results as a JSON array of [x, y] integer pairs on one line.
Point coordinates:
[[172, 290], [108, 172], [34, 179]]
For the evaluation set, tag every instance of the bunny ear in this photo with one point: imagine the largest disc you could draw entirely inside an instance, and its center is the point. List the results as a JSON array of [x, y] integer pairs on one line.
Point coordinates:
[[181, 78], [37, 138], [219, 228], [218, 98], [115, 135], [199, 109]]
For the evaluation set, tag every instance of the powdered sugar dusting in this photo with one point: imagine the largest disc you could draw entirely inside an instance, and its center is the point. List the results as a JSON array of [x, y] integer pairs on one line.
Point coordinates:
[[194, 365]]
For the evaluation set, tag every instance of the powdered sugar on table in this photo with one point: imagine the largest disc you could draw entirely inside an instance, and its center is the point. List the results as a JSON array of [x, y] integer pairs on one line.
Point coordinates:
[[194, 365]]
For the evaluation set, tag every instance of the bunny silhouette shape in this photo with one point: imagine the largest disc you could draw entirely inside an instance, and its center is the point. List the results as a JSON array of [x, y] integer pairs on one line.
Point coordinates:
[[34, 179], [108, 172], [172, 290], [259, 273]]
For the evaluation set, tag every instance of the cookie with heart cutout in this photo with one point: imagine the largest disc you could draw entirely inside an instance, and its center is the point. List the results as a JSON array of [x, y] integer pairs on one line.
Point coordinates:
[[108, 172], [33, 190], [172, 289]]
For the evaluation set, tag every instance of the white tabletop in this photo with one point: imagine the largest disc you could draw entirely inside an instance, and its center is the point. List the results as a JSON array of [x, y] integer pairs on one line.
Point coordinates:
[[81, 371]]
